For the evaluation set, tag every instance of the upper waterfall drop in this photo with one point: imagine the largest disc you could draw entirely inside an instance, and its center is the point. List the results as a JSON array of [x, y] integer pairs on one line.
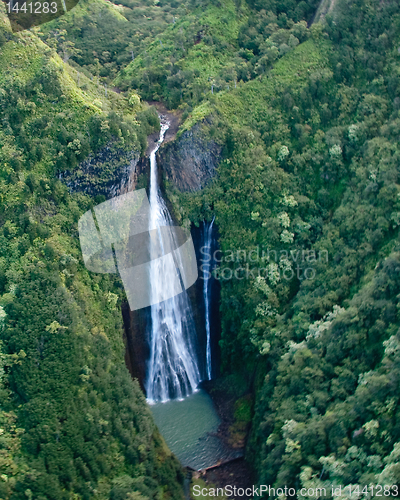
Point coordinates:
[[172, 370]]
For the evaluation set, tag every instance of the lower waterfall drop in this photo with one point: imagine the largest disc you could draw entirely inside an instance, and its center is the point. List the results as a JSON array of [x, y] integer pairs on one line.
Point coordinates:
[[172, 370]]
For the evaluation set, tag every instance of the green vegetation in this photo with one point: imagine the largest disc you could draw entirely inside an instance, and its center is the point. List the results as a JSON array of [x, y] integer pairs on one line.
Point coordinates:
[[310, 164], [102, 37], [308, 118], [73, 423], [243, 415], [210, 50]]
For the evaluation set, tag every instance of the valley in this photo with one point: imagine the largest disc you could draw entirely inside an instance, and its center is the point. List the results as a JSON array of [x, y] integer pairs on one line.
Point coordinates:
[[283, 135]]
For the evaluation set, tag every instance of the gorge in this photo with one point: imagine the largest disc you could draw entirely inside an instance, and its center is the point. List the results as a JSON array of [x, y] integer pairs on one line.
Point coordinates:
[[286, 130], [179, 356]]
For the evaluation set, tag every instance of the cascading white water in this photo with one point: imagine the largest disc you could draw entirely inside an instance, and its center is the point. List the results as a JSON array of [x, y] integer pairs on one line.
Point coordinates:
[[206, 291], [172, 370]]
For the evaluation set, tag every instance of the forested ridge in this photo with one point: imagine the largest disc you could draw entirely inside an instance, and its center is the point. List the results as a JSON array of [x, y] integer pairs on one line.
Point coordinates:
[[311, 168], [307, 116], [73, 423]]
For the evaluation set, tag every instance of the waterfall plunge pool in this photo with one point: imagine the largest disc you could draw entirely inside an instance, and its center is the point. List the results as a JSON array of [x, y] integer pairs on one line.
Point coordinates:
[[189, 428], [188, 425]]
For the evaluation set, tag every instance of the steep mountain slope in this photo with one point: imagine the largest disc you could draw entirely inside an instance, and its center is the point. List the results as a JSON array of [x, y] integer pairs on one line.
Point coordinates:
[[186, 59], [74, 424], [304, 120], [211, 49], [306, 202], [106, 36]]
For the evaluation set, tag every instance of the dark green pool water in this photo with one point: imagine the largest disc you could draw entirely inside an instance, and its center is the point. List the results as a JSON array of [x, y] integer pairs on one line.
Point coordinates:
[[187, 427]]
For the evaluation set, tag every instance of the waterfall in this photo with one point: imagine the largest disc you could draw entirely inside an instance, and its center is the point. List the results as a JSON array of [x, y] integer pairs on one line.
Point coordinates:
[[206, 267], [172, 370]]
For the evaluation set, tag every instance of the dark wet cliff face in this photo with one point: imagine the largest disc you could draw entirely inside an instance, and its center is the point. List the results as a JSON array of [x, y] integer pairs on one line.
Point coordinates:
[[136, 344], [137, 323], [190, 161], [110, 172]]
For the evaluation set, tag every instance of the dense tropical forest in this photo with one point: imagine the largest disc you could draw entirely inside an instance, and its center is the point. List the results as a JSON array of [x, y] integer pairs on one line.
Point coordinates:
[[302, 100]]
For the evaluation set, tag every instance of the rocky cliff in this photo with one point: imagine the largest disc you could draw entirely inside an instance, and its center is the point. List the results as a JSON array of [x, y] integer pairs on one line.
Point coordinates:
[[191, 160], [110, 172]]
